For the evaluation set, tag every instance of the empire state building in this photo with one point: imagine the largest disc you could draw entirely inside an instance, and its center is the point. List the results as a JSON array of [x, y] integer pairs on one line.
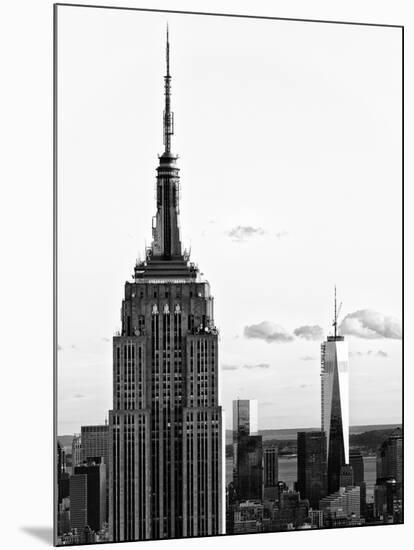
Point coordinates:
[[166, 428]]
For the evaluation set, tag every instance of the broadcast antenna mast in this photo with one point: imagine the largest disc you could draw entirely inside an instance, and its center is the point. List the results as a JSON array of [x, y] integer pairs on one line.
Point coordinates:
[[336, 315]]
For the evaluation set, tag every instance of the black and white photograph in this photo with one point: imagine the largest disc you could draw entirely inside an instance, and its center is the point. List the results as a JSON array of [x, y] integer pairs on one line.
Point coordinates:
[[229, 275]]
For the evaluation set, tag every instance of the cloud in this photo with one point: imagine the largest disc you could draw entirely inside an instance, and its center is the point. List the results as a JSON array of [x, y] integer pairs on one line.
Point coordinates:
[[243, 232], [229, 367], [305, 386], [78, 396], [379, 353], [105, 339], [60, 348], [267, 331], [258, 366], [309, 332], [308, 358], [369, 324]]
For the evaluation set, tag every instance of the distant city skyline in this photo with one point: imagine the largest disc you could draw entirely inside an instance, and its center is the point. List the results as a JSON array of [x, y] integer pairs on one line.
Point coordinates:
[[273, 222]]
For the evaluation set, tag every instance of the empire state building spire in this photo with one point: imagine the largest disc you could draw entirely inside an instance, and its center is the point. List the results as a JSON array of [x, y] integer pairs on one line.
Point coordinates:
[[165, 259], [168, 115]]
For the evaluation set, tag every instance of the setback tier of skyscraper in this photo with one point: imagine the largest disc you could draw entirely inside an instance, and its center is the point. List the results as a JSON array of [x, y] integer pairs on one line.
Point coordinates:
[[166, 428]]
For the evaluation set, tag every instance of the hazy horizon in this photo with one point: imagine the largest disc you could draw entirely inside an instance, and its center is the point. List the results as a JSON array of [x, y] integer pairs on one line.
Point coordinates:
[[316, 428]]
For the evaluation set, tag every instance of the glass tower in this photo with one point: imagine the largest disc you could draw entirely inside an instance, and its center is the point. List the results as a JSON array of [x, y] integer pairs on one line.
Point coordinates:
[[335, 406], [247, 451]]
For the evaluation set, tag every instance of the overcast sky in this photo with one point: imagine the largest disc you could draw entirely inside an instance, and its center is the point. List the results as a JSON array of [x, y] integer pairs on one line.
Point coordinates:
[[289, 137]]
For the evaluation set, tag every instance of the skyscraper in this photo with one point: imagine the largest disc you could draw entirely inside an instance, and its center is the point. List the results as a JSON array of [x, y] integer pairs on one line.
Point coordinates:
[[62, 477], [390, 457], [76, 451], [346, 476], [357, 462], [247, 451], [88, 495], [311, 465], [245, 423], [270, 473], [78, 501], [335, 404], [245, 417], [249, 480], [389, 485], [166, 435], [95, 443]]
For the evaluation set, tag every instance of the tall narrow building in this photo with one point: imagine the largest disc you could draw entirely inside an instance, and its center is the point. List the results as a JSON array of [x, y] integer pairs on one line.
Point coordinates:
[[166, 429], [270, 473], [311, 466], [95, 443], [245, 422], [76, 451], [247, 451], [335, 404], [390, 457], [357, 462]]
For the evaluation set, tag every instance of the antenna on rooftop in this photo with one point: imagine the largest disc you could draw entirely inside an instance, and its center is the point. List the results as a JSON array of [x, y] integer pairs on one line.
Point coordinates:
[[336, 315]]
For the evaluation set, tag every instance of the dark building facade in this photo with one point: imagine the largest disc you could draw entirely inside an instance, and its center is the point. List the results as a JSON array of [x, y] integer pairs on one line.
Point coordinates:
[[63, 488], [165, 428], [311, 466], [249, 468], [247, 451], [270, 473], [388, 495], [357, 462], [245, 423], [78, 494], [346, 477], [388, 504], [62, 474], [95, 443], [291, 511], [88, 496], [390, 457]]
